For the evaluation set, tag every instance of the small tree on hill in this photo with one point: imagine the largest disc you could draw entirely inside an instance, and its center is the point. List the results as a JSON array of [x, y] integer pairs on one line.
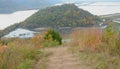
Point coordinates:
[[52, 35]]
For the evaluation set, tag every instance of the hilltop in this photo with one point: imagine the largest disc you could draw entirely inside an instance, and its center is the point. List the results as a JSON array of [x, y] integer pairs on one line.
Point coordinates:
[[57, 17]]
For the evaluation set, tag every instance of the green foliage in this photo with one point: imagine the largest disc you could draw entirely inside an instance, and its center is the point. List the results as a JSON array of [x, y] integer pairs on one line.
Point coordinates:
[[111, 40], [52, 38], [109, 34], [61, 16]]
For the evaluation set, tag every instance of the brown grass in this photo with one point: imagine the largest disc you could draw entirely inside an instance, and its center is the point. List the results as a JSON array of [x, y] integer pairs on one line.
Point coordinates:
[[20, 53], [87, 38]]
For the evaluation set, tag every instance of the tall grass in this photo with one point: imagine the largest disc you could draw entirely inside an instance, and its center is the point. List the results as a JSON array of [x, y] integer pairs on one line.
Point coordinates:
[[19, 54], [16, 53], [87, 38], [97, 48], [96, 39]]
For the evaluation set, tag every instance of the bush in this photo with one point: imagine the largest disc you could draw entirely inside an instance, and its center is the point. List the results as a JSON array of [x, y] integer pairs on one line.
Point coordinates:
[[111, 40], [52, 37]]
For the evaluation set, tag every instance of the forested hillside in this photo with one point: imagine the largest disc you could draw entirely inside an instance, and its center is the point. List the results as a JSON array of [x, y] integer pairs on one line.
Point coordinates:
[[67, 15]]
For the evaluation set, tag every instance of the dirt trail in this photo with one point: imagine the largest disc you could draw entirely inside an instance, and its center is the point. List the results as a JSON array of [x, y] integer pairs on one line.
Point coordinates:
[[61, 58]]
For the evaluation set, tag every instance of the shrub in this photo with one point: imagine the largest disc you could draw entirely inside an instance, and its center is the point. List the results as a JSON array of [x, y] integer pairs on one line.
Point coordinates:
[[52, 37], [111, 40]]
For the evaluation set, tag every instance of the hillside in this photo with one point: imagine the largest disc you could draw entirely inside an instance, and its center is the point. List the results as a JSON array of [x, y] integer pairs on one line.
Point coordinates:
[[60, 16], [67, 15]]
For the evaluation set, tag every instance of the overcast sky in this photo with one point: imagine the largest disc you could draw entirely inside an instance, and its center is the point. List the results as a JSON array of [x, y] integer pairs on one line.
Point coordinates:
[[91, 0]]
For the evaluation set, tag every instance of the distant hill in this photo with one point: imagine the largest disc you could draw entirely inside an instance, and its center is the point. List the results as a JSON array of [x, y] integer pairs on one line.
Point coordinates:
[[9, 6], [67, 15], [64, 16]]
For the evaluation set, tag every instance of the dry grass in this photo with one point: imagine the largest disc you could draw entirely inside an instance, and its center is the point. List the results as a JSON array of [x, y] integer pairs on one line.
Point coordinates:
[[20, 54], [89, 38], [96, 48], [95, 60]]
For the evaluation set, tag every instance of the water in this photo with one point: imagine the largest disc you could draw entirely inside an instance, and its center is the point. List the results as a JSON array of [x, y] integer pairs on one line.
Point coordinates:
[[16, 17], [101, 8], [98, 8]]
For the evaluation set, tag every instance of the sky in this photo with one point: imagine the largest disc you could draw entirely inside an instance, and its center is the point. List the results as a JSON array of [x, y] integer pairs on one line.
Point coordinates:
[[90, 0]]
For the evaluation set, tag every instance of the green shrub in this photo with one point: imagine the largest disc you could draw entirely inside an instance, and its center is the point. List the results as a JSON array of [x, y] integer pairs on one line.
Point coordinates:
[[111, 40], [52, 38]]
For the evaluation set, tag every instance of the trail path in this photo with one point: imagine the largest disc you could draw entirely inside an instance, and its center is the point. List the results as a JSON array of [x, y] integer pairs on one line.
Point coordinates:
[[61, 58]]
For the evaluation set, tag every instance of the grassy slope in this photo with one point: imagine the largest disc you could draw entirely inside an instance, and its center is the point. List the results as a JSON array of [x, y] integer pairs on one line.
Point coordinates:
[[94, 60], [21, 54]]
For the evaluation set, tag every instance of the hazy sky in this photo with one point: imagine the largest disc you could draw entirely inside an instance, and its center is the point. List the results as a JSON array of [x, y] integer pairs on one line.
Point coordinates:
[[90, 0]]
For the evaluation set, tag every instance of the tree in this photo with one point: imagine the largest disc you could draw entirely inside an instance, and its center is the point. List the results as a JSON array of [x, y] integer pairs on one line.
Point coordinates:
[[52, 35]]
